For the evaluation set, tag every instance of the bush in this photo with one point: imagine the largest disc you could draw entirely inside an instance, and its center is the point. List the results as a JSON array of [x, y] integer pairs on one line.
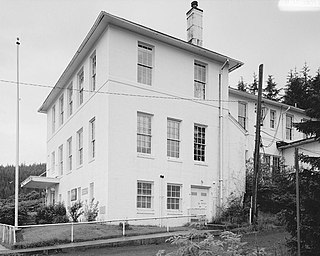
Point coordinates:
[[49, 214], [75, 211], [7, 214], [91, 211]]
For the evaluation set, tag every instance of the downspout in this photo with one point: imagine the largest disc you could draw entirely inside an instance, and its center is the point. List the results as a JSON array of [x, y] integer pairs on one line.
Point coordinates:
[[220, 200]]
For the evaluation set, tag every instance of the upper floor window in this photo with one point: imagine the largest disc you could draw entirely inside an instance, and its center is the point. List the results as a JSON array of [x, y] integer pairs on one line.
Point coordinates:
[[272, 118], [93, 69], [173, 138], [61, 160], [70, 99], [144, 133], [174, 197], [80, 86], [92, 136], [80, 146], [69, 153], [144, 194], [53, 162], [200, 77], [289, 127], [263, 115], [145, 63], [242, 114], [53, 114], [61, 110], [199, 142]]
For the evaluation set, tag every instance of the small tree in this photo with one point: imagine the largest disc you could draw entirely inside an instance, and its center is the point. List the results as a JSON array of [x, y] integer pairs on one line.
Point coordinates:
[[75, 211], [270, 91], [91, 211], [242, 86], [253, 88]]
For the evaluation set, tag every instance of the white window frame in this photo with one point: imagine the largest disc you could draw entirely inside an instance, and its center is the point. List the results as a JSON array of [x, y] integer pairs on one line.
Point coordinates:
[[69, 153], [289, 127], [91, 191], [144, 199], [145, 63], [144, 133], [264, 112], [273, 117], [174, 201], [242, 117], [61, 110], [53, 162], [80, 78], [60, 155], [200, 80], [173, 138], [93, 71], [80, 147], [53, 118], [92, 138], [70, 99], [73, 194], [199, 148]]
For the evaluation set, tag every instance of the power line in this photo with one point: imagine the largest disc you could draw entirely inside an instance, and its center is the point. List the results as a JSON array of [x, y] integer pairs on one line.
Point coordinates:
[[120, 93]]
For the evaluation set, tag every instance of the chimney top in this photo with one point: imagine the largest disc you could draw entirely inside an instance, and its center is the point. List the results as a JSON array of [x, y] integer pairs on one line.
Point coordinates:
[[194, 4]]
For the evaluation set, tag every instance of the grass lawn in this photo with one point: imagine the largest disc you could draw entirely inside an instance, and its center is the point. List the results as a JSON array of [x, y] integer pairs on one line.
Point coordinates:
[[50, 235]]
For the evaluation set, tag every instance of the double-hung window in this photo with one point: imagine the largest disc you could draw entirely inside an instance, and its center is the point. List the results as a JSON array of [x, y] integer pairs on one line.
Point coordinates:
[[174, 197], [92, 136], [70, 99], [74, 194], [200, 77], [69, 153], [145, 63], [144, 195], [242, 114], [53, 119], [80, 146], [289, 127], [272, 119], [61, 160], [61, 110], [199, 142], [93, 70], [53, 163], [80, 86], [173, 138], [263, 115], [144, 133]]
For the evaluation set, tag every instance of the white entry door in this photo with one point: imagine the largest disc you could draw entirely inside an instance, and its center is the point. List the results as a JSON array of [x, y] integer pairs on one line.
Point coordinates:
[[199, 201]]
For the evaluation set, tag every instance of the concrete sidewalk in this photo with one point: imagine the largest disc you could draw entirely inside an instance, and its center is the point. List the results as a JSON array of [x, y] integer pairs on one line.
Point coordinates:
[[120, 241]]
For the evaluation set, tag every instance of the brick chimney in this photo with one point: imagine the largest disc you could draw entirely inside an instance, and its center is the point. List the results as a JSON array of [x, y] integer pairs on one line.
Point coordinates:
[[194, 24]]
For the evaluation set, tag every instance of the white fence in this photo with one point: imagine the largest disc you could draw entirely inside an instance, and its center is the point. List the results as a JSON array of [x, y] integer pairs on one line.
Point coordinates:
[[9, 232]]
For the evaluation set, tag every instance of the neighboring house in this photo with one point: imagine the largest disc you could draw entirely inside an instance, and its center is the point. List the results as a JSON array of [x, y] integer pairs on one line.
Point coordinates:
[[307, 146], [276, 125], [136, 122]]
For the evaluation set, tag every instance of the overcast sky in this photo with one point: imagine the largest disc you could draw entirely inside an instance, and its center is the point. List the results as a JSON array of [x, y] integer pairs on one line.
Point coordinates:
[[252, 31]]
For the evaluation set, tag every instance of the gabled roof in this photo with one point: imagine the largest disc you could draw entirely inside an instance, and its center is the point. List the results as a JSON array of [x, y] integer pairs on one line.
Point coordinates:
[[296, 143], [270, 102], [105, 19]]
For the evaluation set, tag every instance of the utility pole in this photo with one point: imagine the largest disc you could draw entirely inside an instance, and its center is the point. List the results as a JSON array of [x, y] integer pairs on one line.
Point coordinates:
[[256, 163], [296, 163]]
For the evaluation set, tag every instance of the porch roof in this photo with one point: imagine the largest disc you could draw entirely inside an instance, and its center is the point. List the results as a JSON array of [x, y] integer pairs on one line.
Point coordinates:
[[39, 182]]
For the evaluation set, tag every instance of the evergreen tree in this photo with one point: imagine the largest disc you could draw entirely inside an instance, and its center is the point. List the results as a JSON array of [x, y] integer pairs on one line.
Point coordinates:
[[253, 88], [298, 88], [270, 91], [242, 86]]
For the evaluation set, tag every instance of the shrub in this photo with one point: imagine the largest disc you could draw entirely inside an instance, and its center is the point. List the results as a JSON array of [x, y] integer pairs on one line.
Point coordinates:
[[7, 214], [49, 214], [75, 211], [91, 211]]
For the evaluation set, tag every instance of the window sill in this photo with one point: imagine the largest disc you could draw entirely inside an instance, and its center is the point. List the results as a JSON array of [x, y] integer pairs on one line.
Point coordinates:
[[147, 156], [91, 160], [80, 166], [145, 211], [174, 160], [174, 212], [201, 163]]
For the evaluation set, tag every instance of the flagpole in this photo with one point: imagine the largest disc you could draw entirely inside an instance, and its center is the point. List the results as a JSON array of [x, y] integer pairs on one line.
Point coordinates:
[[16, 201]]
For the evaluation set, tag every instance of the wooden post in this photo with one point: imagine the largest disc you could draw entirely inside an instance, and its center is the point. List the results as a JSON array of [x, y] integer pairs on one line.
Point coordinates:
[[296, 162], [71, 232], [256, 163]]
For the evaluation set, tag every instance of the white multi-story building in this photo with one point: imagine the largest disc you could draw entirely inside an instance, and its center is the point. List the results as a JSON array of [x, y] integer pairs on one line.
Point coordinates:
[[139, 120], [276, 125]]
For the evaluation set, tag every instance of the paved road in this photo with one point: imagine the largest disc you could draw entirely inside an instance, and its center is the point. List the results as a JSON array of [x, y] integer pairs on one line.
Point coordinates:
[[142, 250]]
